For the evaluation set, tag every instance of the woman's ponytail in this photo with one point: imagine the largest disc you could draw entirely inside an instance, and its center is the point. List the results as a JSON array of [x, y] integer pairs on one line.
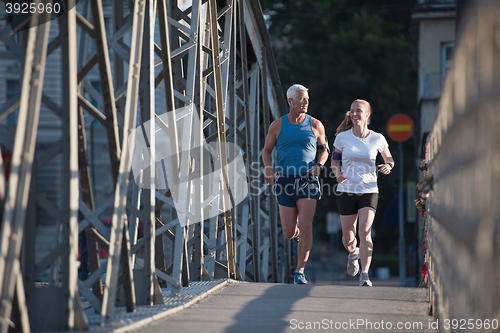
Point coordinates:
[[345, 125]]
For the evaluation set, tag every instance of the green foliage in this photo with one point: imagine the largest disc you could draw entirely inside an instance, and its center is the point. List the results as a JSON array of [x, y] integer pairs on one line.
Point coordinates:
[[342, 50], [387, 260]]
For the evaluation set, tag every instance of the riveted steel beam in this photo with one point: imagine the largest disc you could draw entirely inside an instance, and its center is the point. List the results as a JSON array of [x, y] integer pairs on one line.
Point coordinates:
[[180, 219]]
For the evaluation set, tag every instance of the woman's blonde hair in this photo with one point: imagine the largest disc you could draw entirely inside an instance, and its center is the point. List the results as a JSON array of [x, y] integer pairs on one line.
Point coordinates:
[[347, 123]]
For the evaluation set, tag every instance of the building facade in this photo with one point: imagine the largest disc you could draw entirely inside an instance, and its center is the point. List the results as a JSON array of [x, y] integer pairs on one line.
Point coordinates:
[[434, 29]]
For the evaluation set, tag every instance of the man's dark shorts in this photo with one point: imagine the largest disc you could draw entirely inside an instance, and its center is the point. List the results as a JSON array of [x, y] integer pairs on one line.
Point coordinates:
[[350, 203], [290, 188]]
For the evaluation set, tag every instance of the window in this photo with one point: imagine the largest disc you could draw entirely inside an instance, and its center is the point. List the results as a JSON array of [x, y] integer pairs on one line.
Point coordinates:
[[446, 58]]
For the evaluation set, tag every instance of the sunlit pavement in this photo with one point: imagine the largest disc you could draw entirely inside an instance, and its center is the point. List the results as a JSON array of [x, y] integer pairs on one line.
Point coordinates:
[[268, 307]]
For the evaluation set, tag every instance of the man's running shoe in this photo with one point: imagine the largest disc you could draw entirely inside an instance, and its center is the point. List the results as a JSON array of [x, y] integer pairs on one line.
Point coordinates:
[[364, 280], [352, 263], [299, 278], [295, 244]]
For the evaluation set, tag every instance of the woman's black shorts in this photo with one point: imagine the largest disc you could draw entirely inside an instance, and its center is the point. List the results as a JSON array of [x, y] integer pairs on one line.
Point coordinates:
[[350, 203]]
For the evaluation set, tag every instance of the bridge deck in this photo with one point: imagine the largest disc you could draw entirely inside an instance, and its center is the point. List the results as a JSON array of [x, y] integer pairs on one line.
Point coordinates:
[[268, 307]]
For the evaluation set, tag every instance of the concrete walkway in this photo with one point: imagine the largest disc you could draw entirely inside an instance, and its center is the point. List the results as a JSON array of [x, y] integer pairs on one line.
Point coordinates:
[[266, 307]]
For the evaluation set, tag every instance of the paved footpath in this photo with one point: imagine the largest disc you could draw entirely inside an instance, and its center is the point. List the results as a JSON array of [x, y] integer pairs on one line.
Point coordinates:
[[267, 307]]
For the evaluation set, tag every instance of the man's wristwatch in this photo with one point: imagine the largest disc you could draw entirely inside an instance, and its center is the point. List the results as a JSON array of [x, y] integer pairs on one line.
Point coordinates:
[[321, 166]]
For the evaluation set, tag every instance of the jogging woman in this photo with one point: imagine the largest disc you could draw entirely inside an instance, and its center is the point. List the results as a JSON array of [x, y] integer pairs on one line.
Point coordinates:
[[357, 191]]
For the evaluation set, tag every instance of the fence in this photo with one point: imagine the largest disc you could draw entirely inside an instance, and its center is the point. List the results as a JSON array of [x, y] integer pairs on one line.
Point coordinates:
[[463, 155]]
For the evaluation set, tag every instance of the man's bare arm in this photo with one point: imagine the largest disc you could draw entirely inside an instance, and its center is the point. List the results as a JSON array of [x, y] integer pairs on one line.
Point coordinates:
[[272, 134]]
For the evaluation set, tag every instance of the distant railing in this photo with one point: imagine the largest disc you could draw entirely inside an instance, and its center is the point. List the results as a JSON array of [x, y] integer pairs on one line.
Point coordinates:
[[462, 219], [436, 1]]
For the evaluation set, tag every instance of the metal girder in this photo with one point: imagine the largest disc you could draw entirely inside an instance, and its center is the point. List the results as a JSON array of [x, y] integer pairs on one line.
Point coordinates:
[[248, 141], [14, 211], [108, 92], [119, 214], [70, 190], [201, 101], [221, 133]]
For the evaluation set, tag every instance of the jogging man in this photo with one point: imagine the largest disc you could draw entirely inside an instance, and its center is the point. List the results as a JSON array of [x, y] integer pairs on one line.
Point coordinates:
[[297, 137]]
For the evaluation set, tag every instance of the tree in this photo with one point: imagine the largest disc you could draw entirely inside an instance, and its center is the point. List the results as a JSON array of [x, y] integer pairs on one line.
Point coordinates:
[[343, 50]]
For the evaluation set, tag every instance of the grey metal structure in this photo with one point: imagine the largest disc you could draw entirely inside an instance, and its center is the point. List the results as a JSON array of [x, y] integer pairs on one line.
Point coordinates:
[[197, 81], [462, 182]]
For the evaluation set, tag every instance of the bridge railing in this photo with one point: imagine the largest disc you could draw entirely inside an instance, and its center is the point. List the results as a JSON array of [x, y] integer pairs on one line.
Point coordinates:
[[463, 154], [182, 96]]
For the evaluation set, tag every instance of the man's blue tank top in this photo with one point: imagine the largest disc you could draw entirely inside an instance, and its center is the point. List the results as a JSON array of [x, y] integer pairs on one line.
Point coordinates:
[[296, 147]]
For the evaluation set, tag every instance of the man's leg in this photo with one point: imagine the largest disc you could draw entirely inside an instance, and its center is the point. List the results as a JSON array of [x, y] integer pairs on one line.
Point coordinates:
[[306, 209], [288, 216]]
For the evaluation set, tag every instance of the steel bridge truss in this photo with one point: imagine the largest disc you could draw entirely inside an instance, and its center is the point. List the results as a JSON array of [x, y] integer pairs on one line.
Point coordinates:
[[460, 185], [186, 97]]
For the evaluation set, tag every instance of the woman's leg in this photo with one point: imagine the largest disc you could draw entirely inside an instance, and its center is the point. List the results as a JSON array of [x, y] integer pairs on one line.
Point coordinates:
[[349, 232], [366, 217], [349, 241]]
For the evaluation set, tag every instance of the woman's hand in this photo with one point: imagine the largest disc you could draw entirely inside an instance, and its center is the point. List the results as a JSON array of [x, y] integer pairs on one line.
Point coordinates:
[[384, 168], [340, 177]]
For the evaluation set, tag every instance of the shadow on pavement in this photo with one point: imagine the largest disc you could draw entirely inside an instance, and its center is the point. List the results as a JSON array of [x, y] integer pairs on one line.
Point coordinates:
[[269, 312]]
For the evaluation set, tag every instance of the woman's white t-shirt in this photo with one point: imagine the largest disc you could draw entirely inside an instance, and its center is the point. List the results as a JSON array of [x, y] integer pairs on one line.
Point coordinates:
[[358, 161]]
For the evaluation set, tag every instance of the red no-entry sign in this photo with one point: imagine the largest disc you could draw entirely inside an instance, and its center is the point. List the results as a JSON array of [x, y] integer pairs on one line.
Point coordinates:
[[400, 127]]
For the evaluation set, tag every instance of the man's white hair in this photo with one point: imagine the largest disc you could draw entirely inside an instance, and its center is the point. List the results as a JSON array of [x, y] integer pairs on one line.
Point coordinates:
[[292, 91]]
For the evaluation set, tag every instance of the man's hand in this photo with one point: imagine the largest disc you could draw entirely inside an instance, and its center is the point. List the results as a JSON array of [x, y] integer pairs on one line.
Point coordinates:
[[315, 170], [269, 176]]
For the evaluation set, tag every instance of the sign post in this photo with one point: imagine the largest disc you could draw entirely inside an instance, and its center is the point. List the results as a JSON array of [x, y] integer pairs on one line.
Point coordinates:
[[400, 129]]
